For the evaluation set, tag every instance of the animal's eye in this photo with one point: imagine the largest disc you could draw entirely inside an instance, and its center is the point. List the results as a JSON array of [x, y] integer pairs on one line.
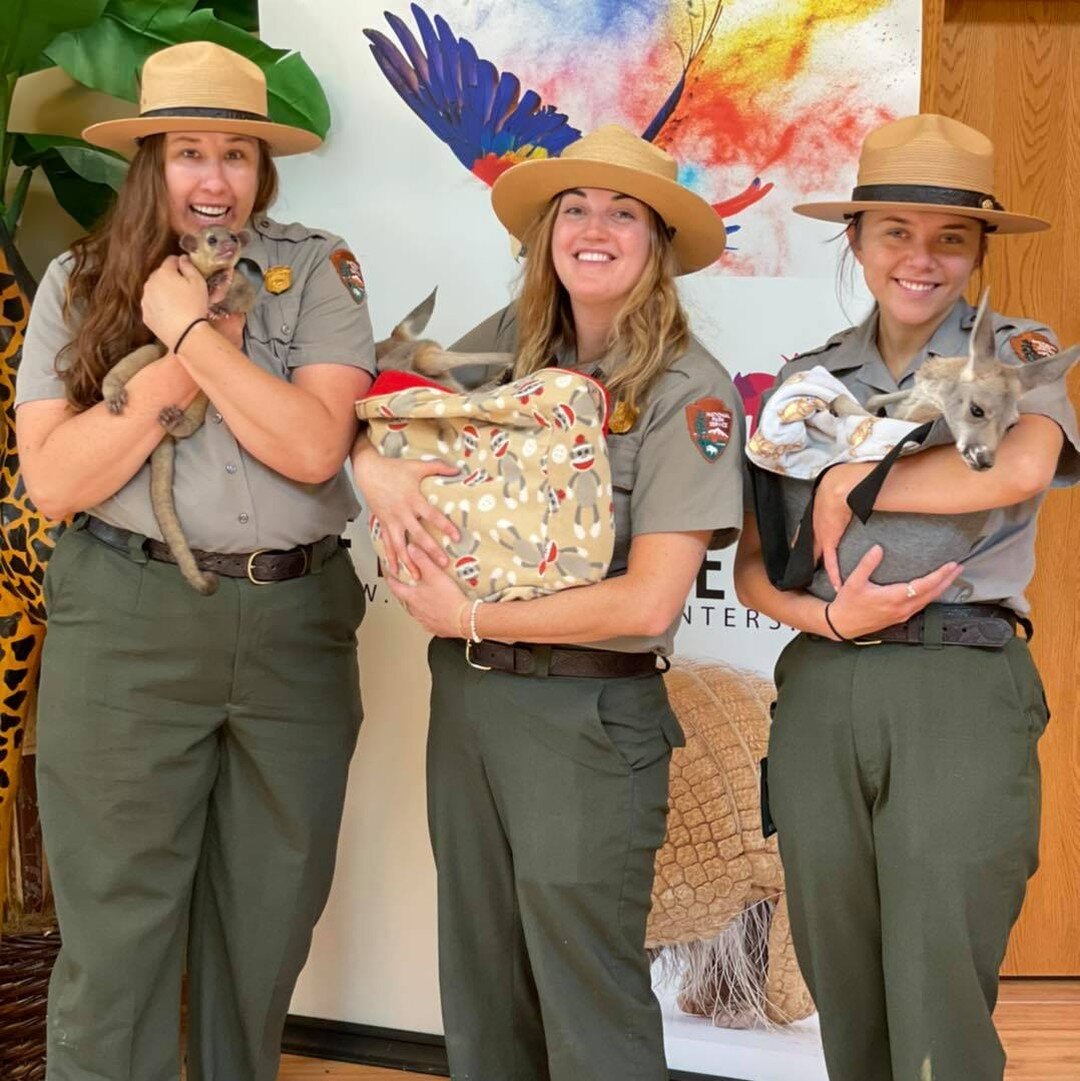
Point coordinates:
[[977, 410], [211, 240]]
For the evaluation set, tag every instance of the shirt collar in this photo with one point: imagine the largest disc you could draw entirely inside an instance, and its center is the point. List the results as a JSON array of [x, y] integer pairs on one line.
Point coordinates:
[[859, 352], [255, 249]]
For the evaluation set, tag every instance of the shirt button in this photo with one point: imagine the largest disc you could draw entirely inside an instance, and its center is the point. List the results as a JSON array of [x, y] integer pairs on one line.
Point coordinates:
[[216, 418], [242, 519], [285, 328], [264, 222], [230, 468]]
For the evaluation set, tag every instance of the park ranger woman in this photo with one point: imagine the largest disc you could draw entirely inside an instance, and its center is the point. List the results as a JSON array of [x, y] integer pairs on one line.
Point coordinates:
[[548, 765], [193, 750], [903, 777]]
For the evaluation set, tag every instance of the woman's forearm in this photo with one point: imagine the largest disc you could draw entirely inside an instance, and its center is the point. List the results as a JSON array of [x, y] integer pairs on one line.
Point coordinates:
[[642, 603], [73, 461], [937, 481], [266, 414], [795, 608]]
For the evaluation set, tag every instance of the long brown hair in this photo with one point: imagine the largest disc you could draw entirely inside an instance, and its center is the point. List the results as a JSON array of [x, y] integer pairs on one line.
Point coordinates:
[[104, 291], [649, 332]]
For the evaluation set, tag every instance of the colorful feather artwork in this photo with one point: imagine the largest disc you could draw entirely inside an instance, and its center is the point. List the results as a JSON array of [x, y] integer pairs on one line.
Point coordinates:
[[763, 103]]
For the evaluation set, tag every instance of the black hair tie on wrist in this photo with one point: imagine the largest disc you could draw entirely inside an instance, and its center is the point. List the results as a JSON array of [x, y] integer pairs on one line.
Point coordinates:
[[187, 330], [843, 638]]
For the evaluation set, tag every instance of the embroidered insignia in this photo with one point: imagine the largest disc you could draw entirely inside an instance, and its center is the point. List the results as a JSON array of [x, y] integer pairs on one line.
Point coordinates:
[[1032, 346], [709, 422], [349, 272], [623, 418], [278, 279]]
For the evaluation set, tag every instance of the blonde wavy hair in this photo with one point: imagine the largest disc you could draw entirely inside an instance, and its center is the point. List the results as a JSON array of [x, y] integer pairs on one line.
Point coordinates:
[[648, 334]]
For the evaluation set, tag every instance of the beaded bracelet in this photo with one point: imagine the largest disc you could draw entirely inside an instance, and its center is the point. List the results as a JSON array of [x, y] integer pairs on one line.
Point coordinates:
[[474, 636]]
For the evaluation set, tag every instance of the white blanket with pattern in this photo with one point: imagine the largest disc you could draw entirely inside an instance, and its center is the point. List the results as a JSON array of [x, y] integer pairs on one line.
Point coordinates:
[[799, 437]]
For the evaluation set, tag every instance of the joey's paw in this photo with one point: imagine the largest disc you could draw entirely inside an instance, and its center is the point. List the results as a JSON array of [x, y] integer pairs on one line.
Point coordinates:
[[170, 417], [216, 312], [116, 401]]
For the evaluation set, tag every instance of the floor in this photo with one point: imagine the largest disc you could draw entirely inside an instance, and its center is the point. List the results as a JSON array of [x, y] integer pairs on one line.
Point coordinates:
[[1039, 1021]]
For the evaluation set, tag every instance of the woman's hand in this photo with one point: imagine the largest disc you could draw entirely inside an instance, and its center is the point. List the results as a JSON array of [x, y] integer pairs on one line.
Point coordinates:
[[861, 607], [391, 489], [832, 515], [433, 600], [174, 296]]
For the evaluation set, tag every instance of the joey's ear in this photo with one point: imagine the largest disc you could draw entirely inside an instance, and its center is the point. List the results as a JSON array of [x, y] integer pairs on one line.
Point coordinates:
[[189, 243], [244, 237], [982, 349], [1046, 369], [412, 326]]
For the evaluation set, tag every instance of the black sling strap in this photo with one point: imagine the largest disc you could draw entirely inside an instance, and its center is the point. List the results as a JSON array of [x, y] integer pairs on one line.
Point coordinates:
[[793, 566]]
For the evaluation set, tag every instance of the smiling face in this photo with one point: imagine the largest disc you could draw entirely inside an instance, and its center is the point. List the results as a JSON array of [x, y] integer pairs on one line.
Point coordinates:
[[600, 244], [916, 263], [211, 178]]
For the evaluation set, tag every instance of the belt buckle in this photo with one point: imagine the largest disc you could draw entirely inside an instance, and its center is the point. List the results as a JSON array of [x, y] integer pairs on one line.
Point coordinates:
[[470, 661], [250, 568], [867, 641]]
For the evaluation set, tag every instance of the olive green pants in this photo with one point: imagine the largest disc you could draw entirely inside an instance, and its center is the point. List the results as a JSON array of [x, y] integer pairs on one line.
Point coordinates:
[[547, 801], [192, 760], [904, 784]]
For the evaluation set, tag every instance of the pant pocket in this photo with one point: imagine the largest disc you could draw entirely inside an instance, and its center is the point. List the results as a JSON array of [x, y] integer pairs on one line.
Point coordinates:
[[637, 720]]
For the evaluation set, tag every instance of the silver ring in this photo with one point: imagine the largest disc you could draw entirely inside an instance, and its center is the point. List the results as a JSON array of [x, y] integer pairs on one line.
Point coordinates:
[[911, 590]]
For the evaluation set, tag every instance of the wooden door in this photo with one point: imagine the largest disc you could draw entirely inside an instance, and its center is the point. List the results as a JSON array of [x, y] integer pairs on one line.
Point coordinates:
[[1009, 68]]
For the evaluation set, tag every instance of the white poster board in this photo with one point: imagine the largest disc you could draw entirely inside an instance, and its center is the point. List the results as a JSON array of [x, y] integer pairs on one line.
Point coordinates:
[[778, 90]]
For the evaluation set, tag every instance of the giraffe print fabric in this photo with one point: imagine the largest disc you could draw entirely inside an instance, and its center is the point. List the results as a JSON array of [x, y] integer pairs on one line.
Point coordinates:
[[532, 495]]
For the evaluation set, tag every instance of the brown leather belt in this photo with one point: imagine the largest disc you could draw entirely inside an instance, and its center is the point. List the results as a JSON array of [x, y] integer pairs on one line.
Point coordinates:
[[988, 626], [262, 567], [528, 659]]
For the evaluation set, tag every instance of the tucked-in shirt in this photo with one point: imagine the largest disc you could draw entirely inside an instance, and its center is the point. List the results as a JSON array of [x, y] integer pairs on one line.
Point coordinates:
[[664, 480], [227, 500], [996, 547]]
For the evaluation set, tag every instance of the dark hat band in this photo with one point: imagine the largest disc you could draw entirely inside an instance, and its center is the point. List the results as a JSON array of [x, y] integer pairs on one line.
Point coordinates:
[[209, 113], [925, 193]]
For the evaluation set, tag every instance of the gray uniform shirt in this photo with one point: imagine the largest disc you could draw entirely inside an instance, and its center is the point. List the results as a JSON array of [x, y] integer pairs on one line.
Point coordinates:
[[227, 500], [997, 547], [663, 480]]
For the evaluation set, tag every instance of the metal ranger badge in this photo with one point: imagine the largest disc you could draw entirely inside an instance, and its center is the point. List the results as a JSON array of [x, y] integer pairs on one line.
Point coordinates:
[[277, 279], [709, 421]]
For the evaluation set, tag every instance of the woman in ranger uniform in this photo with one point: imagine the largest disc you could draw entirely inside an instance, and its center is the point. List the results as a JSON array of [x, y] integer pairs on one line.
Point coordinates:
[[547, 792], [193, 750], [902, 768]]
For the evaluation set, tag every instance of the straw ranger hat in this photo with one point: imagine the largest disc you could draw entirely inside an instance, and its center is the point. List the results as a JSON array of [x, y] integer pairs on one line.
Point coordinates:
[[927, 162], [615, 159], [200, 86]]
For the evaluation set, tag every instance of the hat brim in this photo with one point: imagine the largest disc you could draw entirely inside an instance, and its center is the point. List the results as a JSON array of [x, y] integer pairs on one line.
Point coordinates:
[[521, 193], [122, 135], [1000, 220]]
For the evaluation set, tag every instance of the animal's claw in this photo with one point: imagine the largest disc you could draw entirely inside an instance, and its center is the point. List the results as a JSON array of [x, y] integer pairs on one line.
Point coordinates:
[[170, 416]]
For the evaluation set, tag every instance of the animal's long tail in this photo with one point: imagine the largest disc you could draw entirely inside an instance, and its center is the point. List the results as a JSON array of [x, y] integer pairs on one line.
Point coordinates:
[[162, 464]]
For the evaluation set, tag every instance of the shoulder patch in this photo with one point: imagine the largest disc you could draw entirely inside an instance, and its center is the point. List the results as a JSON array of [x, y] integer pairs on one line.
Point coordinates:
[[709, 424], [1032, 346], [348, 270]]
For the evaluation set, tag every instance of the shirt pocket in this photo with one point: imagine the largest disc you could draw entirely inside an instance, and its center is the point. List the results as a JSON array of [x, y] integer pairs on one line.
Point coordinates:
[[271, 326]]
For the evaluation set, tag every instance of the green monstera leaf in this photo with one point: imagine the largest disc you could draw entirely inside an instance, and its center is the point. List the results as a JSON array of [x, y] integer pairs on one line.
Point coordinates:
[[83, 178], [30, 25], [108, 54]]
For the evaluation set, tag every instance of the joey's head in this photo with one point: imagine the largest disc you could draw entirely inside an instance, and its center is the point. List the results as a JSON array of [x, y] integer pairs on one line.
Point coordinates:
[[214, 248], [984, 403]]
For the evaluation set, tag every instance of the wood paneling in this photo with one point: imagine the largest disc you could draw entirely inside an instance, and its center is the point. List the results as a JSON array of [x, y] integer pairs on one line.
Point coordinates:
[[1039, 1022], [1007, 67]]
